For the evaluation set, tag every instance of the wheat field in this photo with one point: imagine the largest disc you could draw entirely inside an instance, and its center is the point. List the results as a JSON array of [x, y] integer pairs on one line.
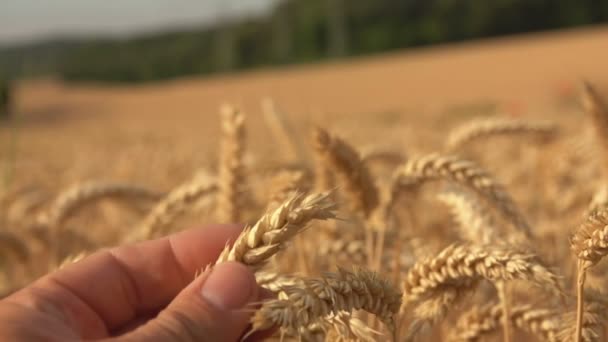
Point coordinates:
[[469, 185]]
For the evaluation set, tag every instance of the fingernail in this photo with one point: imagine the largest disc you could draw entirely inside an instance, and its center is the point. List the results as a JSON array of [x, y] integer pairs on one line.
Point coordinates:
[[230, 286]]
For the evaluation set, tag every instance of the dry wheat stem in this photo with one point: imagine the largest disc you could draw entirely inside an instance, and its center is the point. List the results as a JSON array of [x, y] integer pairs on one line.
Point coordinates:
[[231, 177], [483, 128], [257, 243], [581, 269], [595, 313], [503, 295], [317, 298], [466, 173]]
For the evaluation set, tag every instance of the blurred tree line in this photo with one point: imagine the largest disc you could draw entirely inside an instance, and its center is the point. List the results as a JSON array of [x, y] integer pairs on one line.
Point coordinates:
[[298, 31]]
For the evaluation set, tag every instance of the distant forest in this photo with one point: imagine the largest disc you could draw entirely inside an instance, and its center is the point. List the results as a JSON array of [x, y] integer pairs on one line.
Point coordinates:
[[296, 31]]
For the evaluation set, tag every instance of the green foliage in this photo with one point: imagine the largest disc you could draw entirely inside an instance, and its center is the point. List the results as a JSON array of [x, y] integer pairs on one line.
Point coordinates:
[[297, 31], [5, 98]]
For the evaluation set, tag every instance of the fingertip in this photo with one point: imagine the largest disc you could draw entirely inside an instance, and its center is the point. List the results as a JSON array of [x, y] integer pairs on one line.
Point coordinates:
[[230, 286]]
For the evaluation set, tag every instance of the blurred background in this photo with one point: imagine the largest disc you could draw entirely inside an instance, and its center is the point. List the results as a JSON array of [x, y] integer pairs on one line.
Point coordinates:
[[137, 40], [139, 82]]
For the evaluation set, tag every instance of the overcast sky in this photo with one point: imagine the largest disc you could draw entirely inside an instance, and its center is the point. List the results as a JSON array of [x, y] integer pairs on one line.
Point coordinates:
[[26, 20]]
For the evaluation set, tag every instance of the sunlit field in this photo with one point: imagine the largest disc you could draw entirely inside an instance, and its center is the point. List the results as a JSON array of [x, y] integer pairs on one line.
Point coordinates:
[[460, 174]]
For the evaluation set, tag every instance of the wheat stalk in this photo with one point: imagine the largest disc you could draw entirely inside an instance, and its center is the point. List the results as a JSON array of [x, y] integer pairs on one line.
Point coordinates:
[[337, 292], [463, 172], [344, 160], [231, 168], [484, 128], [257, 243]]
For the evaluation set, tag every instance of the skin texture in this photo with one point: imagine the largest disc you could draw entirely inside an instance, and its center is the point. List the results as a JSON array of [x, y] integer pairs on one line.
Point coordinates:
[[138, 292]]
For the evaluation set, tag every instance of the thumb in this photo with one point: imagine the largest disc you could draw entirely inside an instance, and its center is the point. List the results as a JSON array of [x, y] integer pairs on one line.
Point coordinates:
[[213, 308]]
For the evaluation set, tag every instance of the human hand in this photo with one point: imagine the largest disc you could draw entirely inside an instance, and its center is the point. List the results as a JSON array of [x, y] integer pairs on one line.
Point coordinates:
[[140, 292]]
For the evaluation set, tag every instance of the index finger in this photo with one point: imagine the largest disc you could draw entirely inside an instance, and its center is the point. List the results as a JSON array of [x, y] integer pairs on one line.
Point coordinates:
[[112, 287]]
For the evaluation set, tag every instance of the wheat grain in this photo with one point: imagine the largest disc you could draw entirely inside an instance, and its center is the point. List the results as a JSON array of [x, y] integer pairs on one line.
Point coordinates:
[[256, 244], [275, 282], [590, 240], [335, 292]]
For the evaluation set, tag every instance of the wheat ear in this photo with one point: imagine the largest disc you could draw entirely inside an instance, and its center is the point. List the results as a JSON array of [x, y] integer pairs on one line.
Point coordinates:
[[75, 197], [462, 265], [285, 184], [463, 172], [589, 243], [231, 168], [317, 298], [479, 321], [435, 284], [176, 202], [475, 223], [484, 128], [344, 160], [257, 243]]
